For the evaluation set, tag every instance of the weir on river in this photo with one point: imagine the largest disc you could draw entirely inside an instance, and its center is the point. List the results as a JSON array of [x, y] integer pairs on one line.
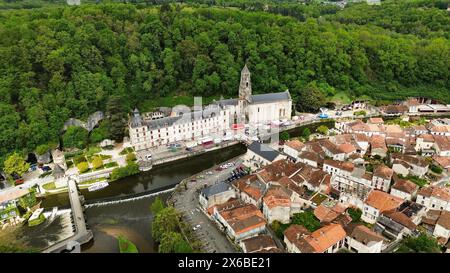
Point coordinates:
[[82, 234]]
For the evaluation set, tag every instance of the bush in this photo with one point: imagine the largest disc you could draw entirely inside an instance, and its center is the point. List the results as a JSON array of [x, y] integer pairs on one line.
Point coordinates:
[[42, 149], [436, 169], [130, 169], [360, 113], [167, 220], [157, 206], [279, 228], [421, 244], [78, 159], [83, 167], [97, 162], [322, 129], [355, 214], [100, 133], [306, 219], [75, 137], [284, 136], [93, 150], [131, 157], [111, 164], [173, 242]]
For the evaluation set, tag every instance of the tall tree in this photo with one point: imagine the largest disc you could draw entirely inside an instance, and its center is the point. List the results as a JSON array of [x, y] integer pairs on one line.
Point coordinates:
[[116, 117], [165, 221], [15, 164]]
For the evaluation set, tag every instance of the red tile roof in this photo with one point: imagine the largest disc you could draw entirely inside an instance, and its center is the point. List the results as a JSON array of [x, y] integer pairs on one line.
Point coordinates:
[[383, 201], [277, 196], [384, 172], [295, 144]]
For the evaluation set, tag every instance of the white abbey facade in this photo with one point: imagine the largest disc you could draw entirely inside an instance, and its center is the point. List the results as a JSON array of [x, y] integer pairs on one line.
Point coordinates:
[[214, 120]]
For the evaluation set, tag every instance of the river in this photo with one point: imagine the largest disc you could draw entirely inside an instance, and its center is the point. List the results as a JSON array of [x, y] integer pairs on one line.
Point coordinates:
[[124, 206]]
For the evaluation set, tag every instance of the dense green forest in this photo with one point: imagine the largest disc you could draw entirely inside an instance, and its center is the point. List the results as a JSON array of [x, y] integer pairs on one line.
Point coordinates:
[[60, 61]]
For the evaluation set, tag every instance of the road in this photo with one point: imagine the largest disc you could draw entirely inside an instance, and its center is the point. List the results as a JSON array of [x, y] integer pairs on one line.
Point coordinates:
[[213, 240]]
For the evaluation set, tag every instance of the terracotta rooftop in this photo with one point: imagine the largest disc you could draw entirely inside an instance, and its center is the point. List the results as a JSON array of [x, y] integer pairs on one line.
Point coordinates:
[[437, 192], [347, 148], [291, 185], [384, 172], [405, 186], [393, 129], [259, 243], [244, 218], [328, 212], [419, 128], [231, 203], [277, 196], [363, 234], [440, 128], [361, 138], [346, 166], [330, 146], [378, 142], [383, 201], [426, 137], [400, 218], [295, 144], [444, 161], [376, 120], [251, 185], [311, 156], [325, 237], [443, 142], [279, 168], [296, 234], [444, 219], [412, 160]]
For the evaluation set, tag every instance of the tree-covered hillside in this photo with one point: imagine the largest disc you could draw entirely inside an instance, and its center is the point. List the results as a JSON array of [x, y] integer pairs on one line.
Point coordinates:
[[60, 62]]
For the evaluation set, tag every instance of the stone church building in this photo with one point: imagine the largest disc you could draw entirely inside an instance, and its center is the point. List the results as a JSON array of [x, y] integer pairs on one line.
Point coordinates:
[[214, 120]]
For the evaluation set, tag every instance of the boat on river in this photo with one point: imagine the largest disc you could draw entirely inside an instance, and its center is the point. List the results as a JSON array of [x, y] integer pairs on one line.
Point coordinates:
[[98, 186]]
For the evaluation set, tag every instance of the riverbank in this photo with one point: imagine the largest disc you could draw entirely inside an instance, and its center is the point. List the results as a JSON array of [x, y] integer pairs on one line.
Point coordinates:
[[175, 160]]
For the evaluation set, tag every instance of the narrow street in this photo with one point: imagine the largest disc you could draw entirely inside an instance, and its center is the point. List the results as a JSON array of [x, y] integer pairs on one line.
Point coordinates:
[[186, 202]]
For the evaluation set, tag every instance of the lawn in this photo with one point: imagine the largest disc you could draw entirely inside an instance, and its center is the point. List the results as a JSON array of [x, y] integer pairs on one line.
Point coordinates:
[[93, 150], [92, 181], [104, 157], [49, 186], [127, 150], [319, 198], [417, 180], [111, 164], [126, 246]]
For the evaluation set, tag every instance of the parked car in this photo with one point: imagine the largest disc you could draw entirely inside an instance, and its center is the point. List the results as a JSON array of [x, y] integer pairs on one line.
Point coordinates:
[[46, 168], [19, 182]]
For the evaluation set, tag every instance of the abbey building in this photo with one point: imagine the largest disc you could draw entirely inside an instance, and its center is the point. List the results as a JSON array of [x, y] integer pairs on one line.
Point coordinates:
[[215, 120]]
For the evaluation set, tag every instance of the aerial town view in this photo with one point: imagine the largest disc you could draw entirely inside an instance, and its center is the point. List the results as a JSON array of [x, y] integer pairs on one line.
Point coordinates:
[[224, 126]]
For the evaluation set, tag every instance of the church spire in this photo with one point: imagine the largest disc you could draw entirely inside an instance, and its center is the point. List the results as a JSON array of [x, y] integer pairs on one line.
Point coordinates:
[[245, 87]]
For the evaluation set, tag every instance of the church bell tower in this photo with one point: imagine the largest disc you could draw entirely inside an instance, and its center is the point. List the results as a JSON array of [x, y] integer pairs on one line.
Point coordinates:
[[245, 95], [245, 87]]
